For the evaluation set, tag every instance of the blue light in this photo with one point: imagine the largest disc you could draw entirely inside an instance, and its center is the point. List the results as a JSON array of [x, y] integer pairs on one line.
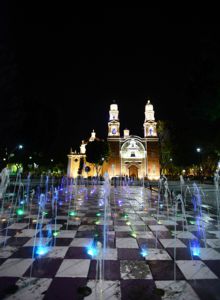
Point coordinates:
[[22, 202], [42, 250], [195, 248], [91, 250], [144, 252]]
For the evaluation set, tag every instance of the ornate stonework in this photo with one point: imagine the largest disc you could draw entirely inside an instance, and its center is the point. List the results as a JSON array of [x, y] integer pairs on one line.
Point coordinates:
[[131, 155]]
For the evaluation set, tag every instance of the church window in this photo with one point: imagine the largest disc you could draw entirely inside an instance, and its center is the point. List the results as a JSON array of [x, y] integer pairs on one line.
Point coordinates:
[[113, 131], [151, 131]]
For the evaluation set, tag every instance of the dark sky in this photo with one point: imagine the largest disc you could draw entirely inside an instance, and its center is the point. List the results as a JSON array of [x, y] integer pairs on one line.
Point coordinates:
[[60, 69]]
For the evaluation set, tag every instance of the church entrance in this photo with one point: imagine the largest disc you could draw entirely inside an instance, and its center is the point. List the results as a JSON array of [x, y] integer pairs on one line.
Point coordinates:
[[133, 171]]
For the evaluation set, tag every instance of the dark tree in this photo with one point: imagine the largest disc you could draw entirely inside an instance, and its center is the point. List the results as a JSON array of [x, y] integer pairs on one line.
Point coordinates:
[[165, 144], [96, 153]]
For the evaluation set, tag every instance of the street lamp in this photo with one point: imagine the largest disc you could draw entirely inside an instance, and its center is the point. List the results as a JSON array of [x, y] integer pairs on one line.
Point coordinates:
[[199, 150]]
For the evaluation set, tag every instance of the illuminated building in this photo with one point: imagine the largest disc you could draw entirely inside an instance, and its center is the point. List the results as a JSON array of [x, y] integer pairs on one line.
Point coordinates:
[[131, 155]]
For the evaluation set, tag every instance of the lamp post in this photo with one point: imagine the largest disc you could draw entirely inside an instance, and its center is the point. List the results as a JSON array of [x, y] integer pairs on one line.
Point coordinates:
[[199, 151]]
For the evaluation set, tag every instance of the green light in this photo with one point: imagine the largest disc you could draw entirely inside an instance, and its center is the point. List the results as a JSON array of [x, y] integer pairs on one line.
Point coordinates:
[[133, 234], [125, 216], [72, 213], [97, 222], [98, 214], [45, 213], [192, 222], [56, 233], [20, 212]]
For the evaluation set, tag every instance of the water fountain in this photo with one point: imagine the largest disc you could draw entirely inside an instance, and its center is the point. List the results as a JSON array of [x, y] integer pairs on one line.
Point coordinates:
[[216, 183], [5, 180]]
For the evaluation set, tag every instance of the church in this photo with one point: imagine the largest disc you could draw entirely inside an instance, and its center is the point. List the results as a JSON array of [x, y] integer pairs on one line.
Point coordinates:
[[130, 155]]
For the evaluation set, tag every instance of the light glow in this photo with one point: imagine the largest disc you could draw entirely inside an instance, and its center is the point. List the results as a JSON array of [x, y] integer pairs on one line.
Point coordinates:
[[20, 212], [56, 233], [144, 252], [72, 213], [42, 250], [92, 251], [195, 248]]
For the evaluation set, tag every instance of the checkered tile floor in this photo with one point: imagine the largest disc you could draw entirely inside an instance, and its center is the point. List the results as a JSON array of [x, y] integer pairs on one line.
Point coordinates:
[[133, 223]]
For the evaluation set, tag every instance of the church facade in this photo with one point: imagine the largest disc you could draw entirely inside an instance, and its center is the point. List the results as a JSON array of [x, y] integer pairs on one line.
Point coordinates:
[[130, 155]]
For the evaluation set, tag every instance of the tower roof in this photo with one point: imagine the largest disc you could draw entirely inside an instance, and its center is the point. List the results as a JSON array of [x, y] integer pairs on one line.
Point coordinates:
[[149, 106]]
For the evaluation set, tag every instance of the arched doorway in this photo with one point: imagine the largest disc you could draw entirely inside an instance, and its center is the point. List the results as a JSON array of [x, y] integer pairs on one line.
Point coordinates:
[[133, 171]]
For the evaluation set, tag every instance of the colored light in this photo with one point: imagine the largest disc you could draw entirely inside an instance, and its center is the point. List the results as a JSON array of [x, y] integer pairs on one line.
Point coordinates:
[[125, 216], [72, 213], [20, 212], [128, 223], [195, 248], [45, 213], [22, 202], [98, 214], [97, 222], [192, 222], [133, 234], [56, 233], [92, 251], [144, 252], [41, 250]]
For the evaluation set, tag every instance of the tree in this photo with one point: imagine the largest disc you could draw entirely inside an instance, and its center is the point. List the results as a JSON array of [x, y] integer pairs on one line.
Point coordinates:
[[96, 153], [166, 151]]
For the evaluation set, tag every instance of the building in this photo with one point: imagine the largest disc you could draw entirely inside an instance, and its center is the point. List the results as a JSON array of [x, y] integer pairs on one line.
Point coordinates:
[[131, 155]]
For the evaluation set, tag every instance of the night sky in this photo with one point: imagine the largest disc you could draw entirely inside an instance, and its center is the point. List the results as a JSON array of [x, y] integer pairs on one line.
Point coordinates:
[[61, 68]]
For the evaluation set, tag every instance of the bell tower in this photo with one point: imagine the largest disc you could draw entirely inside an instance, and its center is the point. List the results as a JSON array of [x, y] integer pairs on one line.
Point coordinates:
[[114, 163], [113, 124], [150, 126], [150, 134]]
